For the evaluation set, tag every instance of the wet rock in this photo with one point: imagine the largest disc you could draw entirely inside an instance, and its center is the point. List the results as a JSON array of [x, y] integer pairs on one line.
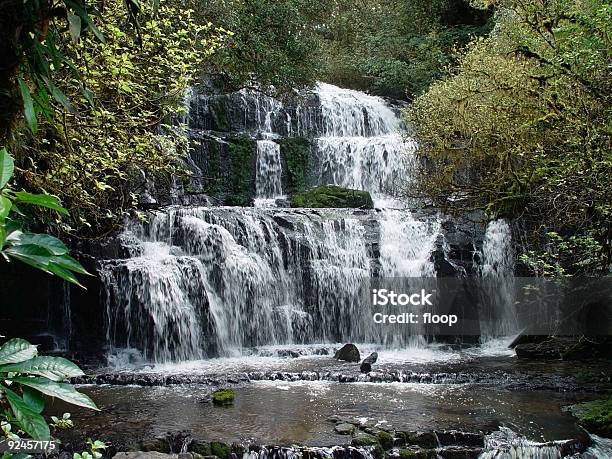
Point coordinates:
[[564, 348], [385, 439], [422, 439], [362, 439], [332, 196], [366, 365], [344, 429], [155, 445], [455, 437], [406, 453], [459, 452], [348, 353]]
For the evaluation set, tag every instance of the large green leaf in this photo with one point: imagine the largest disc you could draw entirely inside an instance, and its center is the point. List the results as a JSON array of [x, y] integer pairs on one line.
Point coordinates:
[[53, 368], [33, 255], [16, 350], [7, 167], [67, 262], [43, 200], [52, 244], [62, 273], [65, 392], [5, 207], [28, 106], [29, 421], [34, 399]]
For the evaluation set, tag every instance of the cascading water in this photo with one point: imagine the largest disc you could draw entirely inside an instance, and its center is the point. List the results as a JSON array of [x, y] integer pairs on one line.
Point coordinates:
[[497, 270], [206, 281], [268, 181]]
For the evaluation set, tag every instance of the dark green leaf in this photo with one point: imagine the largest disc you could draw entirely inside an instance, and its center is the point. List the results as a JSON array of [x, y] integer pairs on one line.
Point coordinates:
[[16, 350], [6, 167], [33, 399], [5, 207], [59, 96], [29, 421], [33, 255], [53, 368], [28, 106], [67, 262], [52, 244], [62, 273], [62, 391], [42, 200]]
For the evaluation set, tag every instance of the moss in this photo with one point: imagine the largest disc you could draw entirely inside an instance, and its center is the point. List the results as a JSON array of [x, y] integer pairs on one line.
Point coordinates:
[[595, 416], [200, 447], [364, 440], [295, 152], [223, 397], [218, 114], [385, 439], [213, 167], [241, 170], [332, 196], [220, 449], [417, 454]]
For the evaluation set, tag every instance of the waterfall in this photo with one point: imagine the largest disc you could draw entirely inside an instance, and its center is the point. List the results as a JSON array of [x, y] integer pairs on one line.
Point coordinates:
[[360, 145], [497, 270], [268, 185], [209, 281]]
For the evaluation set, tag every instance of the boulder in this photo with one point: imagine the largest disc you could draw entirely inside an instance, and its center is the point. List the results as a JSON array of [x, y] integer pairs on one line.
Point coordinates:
[[348, 353], [366, 365], [332, 196], [565, 348], [595, 416], [344, 428]]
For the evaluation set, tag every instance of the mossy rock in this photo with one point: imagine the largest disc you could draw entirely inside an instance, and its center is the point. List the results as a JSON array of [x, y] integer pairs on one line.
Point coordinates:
[[200, 447], [242, 152], [595, 416], [295, 153], [220, 449], [332, 196], [405, 453], [385, 439], [365, 440], [223, 397]]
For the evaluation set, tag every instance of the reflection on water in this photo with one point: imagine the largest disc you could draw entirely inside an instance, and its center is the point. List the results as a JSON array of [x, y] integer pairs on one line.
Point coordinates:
[[286, 413]]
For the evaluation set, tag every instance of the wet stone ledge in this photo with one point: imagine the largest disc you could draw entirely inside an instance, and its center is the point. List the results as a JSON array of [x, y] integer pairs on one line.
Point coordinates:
[[510, 381]]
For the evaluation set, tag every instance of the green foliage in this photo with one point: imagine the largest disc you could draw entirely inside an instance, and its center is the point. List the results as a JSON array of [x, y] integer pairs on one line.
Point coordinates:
[[274, 44], [94, 147], [396, 48], [332, 196], [24, 379], [523, 129], [223, 397], [95, 448], [41, 251]]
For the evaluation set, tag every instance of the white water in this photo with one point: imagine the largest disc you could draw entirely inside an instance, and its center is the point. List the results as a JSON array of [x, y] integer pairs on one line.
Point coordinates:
[[498, 267], [268, 174], [215, 281]]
